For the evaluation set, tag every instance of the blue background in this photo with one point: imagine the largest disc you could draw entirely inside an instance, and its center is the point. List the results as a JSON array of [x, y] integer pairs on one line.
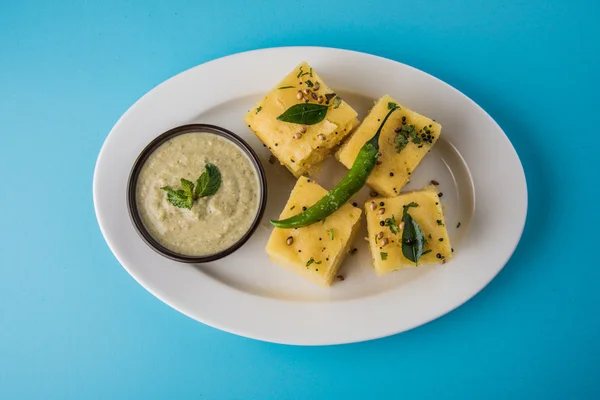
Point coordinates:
[[74, 324]]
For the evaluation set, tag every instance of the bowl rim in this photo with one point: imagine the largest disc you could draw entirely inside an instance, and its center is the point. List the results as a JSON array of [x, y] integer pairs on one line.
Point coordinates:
[[141, 159]]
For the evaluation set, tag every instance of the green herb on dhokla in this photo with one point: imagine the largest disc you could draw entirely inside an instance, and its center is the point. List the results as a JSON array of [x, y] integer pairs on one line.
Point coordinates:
[[337, 102], [413, 239], [304, 114], [258, 109], [392, 224], [400, 142], [405, 134], [312, 261], [309, 83], [285, 87], [383, 255], [331, 234]]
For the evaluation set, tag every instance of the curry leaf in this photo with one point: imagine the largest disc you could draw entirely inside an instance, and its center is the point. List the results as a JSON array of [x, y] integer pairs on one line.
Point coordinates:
[[413, 239], [304, 114]]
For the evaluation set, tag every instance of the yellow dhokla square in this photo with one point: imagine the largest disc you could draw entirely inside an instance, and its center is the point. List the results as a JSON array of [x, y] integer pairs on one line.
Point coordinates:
[[386, 247], [315, 251], [297, 146], [399, 157]]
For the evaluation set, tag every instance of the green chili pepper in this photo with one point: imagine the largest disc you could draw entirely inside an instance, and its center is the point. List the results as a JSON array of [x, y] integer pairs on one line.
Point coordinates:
[[354, 180]]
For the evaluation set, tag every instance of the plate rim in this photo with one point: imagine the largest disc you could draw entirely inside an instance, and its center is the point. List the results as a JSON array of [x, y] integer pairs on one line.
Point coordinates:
[[382, 332]]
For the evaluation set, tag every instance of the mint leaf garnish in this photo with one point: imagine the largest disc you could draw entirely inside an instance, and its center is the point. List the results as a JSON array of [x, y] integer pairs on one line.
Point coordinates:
[[179, 198], [209, 182]]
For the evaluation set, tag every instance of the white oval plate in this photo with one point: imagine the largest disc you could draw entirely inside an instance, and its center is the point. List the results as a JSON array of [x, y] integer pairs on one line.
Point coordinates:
[[478, 169]]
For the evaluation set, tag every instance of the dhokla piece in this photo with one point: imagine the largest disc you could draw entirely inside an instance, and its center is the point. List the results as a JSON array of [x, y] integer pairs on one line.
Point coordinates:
[[315, 251], [405, 140], [298, 146], [386, 246]]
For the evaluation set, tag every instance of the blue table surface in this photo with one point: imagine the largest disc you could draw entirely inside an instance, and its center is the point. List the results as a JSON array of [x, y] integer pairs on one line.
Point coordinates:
[[75, 325]]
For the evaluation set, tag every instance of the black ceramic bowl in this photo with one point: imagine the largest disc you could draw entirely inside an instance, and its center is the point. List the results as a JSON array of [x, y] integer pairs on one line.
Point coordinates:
[[133, 179]]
